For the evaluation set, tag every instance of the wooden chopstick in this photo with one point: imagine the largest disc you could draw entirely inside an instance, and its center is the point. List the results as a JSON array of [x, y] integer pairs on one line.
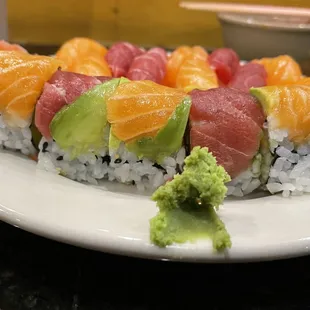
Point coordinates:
[[245, 8]]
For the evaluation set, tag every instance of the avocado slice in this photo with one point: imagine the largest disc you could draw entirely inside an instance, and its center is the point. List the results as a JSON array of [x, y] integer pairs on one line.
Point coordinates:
[[80, 126], [267, 96], [169, 138], [114, 142]]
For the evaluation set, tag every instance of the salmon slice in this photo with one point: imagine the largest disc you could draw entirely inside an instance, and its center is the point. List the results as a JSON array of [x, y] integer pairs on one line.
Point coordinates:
[[303, 81], [174, 62], [188, 68], [84, 56], [91, 66], [141, 108], [287, 108], [147, 124], [22, 77], [281, 70], [6, 46], [177, 59], [199, 53], [195, 73]]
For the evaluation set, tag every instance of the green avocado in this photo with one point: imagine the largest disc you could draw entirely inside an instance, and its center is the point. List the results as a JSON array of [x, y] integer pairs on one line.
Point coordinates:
[[81, 126], [114, 142], [267, 97], [169, 138]]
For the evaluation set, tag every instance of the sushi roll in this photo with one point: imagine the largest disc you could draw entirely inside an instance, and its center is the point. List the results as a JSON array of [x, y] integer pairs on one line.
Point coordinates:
[[287, 110], [22, 77], [125, 131], [135, 132]]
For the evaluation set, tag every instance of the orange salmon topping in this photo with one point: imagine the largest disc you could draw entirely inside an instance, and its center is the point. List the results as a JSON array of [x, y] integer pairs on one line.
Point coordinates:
[[188, 68], [287, 108], [85, 56], [141, 108], [22, 77], [280, 70]]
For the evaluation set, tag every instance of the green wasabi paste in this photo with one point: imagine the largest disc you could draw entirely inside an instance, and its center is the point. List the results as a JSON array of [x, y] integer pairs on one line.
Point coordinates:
[[187, 204]]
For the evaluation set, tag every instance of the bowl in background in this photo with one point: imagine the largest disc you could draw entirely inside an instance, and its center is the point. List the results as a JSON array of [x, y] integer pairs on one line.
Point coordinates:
[[267, 36]]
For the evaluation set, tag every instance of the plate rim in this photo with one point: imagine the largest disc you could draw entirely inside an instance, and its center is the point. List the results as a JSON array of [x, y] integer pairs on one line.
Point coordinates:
[[120, 245], [285, 251]]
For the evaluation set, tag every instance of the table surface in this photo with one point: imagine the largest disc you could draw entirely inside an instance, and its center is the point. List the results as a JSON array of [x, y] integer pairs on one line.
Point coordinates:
[[38, 274]]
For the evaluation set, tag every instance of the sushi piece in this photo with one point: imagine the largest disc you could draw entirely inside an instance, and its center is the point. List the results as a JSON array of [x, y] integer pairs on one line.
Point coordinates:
[[84, 56], [128, 131], [120, 56], [287, 108], [229, 123], [225, 62], [178, 57], [196, 73], [22, 77], [174, 62], [249, 75], [61, 89], [149, 66], [78, 148], [148, 123], [280, 70]]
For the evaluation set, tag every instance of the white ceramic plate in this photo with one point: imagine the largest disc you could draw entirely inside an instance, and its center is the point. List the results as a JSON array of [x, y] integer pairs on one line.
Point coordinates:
[[115, 218]]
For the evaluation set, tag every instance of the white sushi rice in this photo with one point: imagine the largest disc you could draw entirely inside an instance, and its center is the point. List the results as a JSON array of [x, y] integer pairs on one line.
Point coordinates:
[[248, 181], [17, 139], [290, 172], [255, 177], [123, 167]]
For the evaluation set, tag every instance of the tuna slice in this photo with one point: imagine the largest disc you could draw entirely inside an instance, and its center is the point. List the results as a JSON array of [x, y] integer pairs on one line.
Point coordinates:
[[249, 75], [225, 62], [62, 89], [120, 57], [229, 122], [149, 66]]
